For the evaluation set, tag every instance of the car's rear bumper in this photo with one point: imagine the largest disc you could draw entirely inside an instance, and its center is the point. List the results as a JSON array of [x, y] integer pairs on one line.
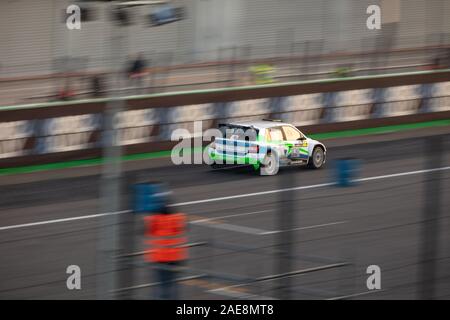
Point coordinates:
[[222, 158]]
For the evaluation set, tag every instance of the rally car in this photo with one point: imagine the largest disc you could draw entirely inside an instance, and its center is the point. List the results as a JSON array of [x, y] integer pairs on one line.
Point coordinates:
[[266, 144]]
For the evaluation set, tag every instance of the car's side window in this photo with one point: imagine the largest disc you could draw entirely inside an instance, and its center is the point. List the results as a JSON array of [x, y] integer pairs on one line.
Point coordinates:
[[275, 134], [291, 134]]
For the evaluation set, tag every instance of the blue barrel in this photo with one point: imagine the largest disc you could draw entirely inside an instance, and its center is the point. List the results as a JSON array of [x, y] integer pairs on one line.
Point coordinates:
[[346, 170], [150, 197]]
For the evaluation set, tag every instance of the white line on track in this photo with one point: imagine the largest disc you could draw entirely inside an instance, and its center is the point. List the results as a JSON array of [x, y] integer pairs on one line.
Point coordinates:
[[314, 186], [355, 295], [228, 216], [400, 174], [32, 224], [304, 228], [239, 295], [236, 228], [245, 195], [261, 232]]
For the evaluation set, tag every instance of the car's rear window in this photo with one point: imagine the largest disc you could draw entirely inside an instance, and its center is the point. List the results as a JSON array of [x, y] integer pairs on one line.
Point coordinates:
[[238, 132]]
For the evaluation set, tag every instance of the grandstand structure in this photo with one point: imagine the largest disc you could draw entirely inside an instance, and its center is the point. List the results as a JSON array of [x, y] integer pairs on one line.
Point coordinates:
[[214, 45], [34, 37]]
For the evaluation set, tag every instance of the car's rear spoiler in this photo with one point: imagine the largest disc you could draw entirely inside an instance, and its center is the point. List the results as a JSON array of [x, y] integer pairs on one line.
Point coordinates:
[[236, 126]]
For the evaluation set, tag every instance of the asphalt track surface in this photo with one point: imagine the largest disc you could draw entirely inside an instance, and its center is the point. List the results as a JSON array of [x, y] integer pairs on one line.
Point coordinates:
[[375, 222]]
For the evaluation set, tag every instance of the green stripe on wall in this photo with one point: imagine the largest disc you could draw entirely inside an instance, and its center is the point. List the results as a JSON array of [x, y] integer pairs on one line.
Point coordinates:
[[166, 153]]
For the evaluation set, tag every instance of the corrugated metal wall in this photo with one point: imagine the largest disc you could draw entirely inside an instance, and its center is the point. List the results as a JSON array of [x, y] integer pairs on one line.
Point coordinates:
[[25, 34], [33, 36]]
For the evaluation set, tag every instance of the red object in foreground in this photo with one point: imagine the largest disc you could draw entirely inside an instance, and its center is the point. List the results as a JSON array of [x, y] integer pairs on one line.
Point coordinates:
[[166, 234]]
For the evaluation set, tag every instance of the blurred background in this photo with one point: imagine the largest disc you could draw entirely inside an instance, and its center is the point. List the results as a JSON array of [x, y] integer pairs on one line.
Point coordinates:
[[208, 44], [86, 115]]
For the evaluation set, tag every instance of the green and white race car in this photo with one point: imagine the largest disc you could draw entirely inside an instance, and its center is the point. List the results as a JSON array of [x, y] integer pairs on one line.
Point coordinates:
[[267, 145]]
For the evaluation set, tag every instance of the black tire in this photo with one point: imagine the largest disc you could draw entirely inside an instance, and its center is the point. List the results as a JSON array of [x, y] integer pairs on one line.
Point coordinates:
[[317, 159]]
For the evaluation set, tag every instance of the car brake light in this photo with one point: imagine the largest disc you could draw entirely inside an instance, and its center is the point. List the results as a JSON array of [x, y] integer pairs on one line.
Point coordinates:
[[253, 149]]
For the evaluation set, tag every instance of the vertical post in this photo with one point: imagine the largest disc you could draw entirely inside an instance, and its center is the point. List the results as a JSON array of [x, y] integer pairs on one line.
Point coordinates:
[[430, 230], [127, 234], [303, 60], [232, 66], [434, 12], [154, 67], [218, 67], [285, 237], [110, 181], [291, 57], [54, 70], [307, 58], [109, 203], [389, 30], [249, 58]]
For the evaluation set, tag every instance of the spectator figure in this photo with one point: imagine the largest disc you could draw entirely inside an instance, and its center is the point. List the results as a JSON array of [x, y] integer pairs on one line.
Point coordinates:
[[435, 64], [165, 234], [137, 71], [444, 61], [97, 86], [66, 92], [441, 61]]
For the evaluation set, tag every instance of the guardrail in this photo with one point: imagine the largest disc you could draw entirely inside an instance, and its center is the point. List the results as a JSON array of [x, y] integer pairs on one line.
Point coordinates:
[[49, 132]]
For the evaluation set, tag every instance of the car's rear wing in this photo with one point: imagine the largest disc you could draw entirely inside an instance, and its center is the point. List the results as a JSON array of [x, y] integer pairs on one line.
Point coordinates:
[[224, 124]]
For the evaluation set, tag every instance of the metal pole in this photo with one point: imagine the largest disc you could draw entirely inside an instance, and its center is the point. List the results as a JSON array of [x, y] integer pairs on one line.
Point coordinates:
[[110, 188], [110, 180], [233, 59], [218, 67], [431, 213], [127, 240], [285, 238]]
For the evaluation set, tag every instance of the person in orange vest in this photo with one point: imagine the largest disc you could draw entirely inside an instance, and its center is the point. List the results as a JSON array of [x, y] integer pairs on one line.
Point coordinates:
[[165, 234]]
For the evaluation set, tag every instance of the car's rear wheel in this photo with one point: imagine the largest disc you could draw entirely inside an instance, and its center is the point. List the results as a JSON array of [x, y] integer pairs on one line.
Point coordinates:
[[317, 159], [269, 166]]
